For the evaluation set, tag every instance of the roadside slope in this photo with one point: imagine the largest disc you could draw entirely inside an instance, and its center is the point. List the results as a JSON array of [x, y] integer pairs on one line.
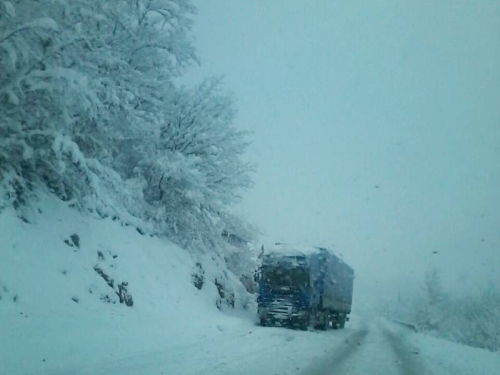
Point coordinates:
[[60, 280]]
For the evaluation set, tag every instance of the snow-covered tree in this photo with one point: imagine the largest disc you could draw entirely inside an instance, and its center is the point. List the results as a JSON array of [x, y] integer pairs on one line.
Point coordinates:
[[37, 99], [89, 110], [193, 170], [76, 79], [431, 309]]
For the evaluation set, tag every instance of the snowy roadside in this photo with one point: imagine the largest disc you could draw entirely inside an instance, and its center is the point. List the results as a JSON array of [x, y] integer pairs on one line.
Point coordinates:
[[445, 357], [58, 313], [456, 359]]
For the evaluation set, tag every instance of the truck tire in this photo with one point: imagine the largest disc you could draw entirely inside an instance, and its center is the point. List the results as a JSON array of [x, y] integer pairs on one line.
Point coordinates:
[[304, 325], [321, 322], [341, 321]]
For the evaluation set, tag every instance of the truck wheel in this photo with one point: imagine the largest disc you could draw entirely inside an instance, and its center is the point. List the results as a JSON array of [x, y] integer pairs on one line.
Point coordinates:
[[321, 324], [263, 322], [305, 322], [326, 325], [304, 325]]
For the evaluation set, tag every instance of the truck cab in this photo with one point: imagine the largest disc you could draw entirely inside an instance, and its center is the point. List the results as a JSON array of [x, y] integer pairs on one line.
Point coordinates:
[[284, 291]]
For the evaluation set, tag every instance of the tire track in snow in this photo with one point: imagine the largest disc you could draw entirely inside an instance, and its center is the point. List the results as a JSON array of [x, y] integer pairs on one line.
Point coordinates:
[[408, 361], [329, 364], [373, 350], [374, 356], [275, 357]]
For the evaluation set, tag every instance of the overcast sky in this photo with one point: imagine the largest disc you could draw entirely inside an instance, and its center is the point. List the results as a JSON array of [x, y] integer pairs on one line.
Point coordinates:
[[376, 127]]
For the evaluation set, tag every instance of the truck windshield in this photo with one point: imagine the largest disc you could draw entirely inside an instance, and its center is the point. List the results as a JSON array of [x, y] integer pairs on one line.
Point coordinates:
[[276, 276]]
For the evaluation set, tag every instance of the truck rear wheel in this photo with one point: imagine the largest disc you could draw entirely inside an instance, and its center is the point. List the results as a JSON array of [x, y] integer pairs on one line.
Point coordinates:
[[341, 321], [304, 325]]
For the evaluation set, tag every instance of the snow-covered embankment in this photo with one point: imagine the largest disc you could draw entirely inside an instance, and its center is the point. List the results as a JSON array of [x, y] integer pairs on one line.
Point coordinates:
[[60, 280]]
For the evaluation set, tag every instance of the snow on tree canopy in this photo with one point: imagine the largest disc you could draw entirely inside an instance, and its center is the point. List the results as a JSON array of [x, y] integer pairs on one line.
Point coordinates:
[[90, 111]]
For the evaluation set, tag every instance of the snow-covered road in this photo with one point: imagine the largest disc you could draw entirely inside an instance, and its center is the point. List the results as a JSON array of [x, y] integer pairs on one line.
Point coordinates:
[[258, 350], [384, 348], [376, 347], [372, 349]]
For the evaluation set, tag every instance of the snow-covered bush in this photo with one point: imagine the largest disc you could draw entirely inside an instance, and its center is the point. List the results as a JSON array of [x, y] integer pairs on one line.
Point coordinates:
[[469, 319], [474, 320]]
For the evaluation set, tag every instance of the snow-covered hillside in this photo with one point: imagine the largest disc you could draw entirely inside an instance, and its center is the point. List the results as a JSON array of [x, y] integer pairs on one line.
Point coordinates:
[[57, 311]]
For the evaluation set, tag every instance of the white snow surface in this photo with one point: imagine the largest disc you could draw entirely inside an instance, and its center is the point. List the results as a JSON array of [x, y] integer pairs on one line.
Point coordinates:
[[292, 249], [452, 358], [52, 317], [51, 323]]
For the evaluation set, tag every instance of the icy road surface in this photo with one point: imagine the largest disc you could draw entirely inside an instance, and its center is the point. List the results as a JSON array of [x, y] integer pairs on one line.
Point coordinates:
[[376, 347]]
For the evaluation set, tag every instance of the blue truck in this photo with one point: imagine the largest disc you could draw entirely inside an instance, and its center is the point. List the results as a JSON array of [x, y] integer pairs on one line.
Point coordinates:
[[302, 287]]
